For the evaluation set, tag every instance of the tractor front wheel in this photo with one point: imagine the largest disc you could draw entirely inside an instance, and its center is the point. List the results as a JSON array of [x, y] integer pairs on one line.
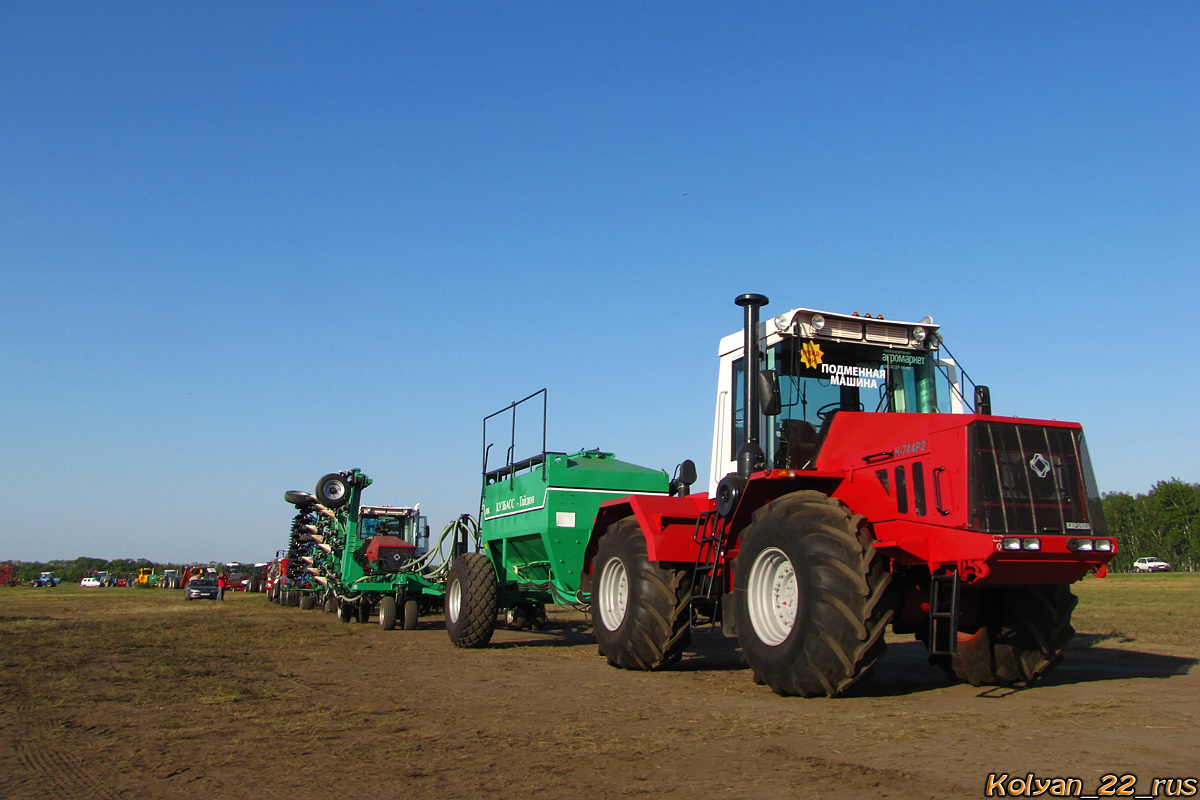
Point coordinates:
[[810, 596], [639, 609], [1024, 634], [387, 613], [471, 600]]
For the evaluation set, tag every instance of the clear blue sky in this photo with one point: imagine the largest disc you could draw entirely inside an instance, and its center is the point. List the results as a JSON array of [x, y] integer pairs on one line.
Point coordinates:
[[246, 244]]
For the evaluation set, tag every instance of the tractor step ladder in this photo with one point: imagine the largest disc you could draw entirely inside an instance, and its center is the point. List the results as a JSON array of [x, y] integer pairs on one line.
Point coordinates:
[[708, 582], [943, 614]]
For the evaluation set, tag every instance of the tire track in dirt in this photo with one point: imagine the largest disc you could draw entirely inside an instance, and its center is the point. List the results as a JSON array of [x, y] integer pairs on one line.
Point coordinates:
[[52, 771]]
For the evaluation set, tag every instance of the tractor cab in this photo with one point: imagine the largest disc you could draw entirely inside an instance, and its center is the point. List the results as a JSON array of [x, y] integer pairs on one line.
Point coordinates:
[[814, 364], [399, 522]]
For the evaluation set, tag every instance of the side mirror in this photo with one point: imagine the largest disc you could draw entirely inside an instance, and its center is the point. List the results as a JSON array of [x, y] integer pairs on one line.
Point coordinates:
[[685, 477], [983, 400], [768, 393]]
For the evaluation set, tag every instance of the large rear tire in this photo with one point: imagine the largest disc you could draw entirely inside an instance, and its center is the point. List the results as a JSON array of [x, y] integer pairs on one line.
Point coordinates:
[[471, 600], [810, 596], [1024, 634], [639, 609]]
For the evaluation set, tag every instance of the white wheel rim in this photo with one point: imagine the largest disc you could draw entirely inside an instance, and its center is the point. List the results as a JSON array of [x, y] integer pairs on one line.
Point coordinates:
[[614, 594], [772, 596], [335, 490], [453, 601]]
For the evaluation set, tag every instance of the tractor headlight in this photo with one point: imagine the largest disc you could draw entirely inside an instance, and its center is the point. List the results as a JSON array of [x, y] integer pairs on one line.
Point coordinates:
[[817, 322], [1011, 543], [1104, 545], [1031, 544]]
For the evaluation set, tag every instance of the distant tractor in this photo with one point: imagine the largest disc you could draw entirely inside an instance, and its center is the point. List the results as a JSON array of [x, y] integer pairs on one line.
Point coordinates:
[[852, 488], [45, 579]]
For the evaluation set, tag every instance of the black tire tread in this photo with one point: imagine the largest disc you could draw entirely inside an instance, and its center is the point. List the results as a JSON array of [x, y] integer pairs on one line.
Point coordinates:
[[480, 594], [656, 630], [387, 613], [411, 613], [848, 610], [1025, 633]]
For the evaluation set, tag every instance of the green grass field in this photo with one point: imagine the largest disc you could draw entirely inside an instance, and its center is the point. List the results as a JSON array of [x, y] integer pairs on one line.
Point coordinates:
[[1159, 608]]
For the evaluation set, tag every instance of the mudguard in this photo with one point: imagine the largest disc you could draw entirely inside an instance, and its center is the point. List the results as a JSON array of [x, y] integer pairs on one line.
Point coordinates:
[[668, 523]]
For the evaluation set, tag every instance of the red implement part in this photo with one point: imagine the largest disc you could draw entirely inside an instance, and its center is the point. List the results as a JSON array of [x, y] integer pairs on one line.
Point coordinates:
[[386, 551]]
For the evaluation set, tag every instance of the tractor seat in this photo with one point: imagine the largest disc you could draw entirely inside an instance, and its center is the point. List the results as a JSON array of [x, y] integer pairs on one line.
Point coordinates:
[[798, 445]]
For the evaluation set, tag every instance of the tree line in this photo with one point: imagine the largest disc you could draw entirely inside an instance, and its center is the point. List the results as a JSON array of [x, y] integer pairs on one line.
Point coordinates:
[[1161, 523], [73, 571]]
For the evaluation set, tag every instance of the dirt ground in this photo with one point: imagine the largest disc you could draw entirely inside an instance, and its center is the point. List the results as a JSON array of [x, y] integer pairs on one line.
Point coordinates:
[[113, 693]]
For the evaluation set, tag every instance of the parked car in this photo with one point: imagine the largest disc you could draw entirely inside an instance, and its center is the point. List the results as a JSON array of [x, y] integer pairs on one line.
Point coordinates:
[[91, 581], [200, 589], [1151, 564]]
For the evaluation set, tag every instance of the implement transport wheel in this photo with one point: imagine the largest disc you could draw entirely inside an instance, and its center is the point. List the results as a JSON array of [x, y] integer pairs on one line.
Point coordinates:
[[333, 491], [518, 618], [306, 602], [412, 610], [345, 611], [539, 617], [471, 599], [1024, 634], [387, 613], [810, 596], [639, 609], [330, 605]]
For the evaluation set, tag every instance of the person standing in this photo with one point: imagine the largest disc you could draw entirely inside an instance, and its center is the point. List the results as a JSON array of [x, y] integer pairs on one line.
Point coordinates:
[[222, 583]]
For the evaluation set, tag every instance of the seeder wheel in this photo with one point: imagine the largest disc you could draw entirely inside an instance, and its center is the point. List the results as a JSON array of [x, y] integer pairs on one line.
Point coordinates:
[[471, 596]]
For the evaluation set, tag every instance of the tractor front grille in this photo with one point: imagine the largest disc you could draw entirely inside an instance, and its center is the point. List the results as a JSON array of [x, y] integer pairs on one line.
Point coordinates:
[[1032, 479]]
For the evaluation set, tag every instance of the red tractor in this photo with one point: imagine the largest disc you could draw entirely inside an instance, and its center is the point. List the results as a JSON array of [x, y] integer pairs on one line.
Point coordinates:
[[853, 488]]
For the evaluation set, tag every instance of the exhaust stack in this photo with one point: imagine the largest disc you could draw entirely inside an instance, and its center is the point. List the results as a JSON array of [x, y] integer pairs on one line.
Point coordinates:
[[750, 454]]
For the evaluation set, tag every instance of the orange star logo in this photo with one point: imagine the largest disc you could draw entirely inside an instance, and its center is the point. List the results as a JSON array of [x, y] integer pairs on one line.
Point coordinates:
[[811, 355]]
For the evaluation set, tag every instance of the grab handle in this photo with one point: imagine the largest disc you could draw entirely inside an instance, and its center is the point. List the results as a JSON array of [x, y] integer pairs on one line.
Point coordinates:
[[937, 491]]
